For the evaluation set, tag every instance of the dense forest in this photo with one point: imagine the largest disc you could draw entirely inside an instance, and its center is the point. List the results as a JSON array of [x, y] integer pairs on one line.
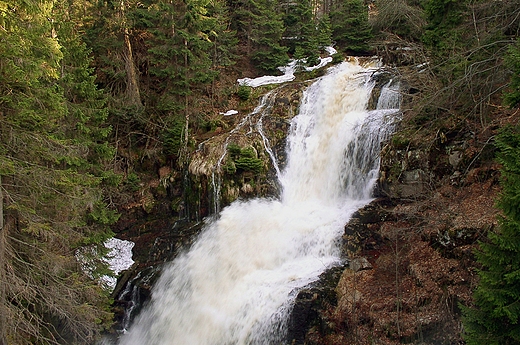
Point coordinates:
[[94, 95]]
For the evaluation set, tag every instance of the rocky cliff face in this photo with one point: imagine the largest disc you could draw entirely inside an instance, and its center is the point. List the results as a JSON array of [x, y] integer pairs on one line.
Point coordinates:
[[409, 253]]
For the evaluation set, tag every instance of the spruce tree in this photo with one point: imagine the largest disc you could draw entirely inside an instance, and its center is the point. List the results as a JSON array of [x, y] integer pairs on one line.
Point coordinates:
[[301, 34], [259, 26], [267, 31], [52, 203], [512, 97], [495, 318], [324, 35], [223, 38], [350, 27]]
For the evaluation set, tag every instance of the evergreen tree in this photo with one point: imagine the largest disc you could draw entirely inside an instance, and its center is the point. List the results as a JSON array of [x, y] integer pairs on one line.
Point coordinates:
[[112, 36], [324, 35], [223, 38], [301, 32], [51, 203], [266, 35], [512, 97], [442, 17], [496, 315], [183, 58], [259, 26], [350, 27]]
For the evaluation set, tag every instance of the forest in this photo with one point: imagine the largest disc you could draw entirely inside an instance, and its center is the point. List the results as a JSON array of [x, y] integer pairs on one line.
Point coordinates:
[[95, 95]]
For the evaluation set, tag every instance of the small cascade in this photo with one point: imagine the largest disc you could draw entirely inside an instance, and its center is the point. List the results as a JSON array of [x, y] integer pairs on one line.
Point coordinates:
[[237, 283], [130, 294], [390, 97], [264, 106], [267, 145]]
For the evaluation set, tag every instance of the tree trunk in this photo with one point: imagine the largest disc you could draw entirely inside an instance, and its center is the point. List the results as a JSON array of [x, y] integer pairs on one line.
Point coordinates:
[[132, 83], [3, 311], [186, 109]]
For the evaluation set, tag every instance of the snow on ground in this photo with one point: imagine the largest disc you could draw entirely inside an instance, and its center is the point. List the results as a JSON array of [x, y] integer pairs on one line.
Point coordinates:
[[288, 75], [288, 72], [229, 112], [323, 62], [118, 259], [331, 50]]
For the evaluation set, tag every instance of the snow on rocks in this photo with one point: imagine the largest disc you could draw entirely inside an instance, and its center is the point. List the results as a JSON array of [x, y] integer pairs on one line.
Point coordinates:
[[229, 113], [288, 72], [118, 259]]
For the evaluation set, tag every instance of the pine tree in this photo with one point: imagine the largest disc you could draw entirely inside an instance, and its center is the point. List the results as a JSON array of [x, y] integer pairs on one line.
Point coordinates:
[[259, 26], [350, 27], [266, 35], [496, 315], [512, 97], [52, 203], [301, 32]]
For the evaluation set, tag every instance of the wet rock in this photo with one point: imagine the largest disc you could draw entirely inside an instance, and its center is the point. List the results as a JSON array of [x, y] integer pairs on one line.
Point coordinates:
[[360, 232], [359, 264], [455, 158], [311, 306]]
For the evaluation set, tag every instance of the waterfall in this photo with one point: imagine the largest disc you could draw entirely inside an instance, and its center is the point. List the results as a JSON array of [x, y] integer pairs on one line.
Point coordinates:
[[237, 283]]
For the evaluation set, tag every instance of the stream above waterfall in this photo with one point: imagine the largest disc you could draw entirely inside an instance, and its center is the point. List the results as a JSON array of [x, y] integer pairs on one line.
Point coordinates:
[[236, 284]]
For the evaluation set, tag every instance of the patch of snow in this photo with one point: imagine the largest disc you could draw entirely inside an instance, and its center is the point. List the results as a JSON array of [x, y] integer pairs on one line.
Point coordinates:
[[229, 112], [422, 67], [323, 62], [269, 79], [288, 72], [331, 50], [118, 259]]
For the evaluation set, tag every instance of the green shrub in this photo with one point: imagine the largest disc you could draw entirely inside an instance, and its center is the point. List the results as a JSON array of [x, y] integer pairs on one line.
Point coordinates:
[[244, 92], [172, 137], [242, 159]]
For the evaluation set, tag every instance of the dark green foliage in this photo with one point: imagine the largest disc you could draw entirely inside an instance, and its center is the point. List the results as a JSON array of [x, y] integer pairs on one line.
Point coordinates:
[[54, 157], [303, 36], [259, 26], [495, 317], [224, 39], [442, 16], [324, 34], [512, 96], [253, 164], [173, 137], [244, 92], [337, 58], [132, 182], [350, 26], [179, 50], [266, 33], [234, 151], [243, 159]]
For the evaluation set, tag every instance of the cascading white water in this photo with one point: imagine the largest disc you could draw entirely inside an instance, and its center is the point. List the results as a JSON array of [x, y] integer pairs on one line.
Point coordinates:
[[216, 177], [237, 283]]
